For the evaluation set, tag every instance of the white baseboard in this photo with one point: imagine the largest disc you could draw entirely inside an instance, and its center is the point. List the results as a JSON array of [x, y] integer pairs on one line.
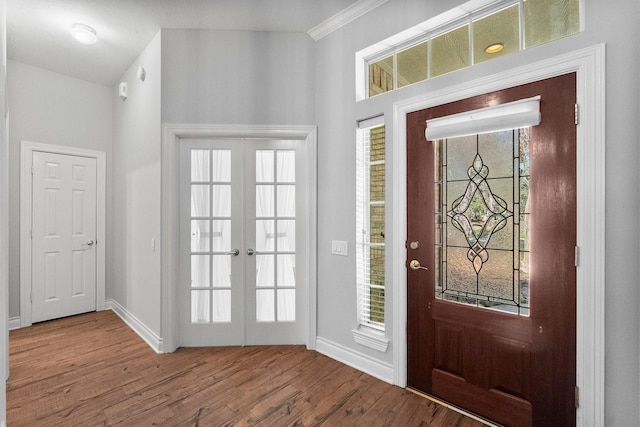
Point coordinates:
[[14, 323], [362, 362], [154, 341], [359, 361]]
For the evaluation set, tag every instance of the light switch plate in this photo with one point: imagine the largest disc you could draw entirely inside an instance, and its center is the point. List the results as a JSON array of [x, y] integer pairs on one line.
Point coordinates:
[[339, 247]]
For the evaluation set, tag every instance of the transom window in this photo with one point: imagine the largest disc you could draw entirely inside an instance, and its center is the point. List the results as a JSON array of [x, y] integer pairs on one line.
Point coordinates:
[[446, 44]]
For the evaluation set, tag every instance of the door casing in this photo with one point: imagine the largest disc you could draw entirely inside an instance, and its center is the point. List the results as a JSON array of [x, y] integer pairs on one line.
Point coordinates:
[[172, 134], [26, 184], [589, 66]]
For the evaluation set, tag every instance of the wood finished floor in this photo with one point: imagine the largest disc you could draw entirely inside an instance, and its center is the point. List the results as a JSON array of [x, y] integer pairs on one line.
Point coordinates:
[[92, 370]]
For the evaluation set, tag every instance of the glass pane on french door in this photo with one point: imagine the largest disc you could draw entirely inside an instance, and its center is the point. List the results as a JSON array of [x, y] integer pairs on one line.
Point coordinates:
[[240, 207], [275, 235], [210, 235]]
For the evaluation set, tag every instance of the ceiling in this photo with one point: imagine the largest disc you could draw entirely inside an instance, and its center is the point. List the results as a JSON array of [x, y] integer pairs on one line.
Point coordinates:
[[38, 31]]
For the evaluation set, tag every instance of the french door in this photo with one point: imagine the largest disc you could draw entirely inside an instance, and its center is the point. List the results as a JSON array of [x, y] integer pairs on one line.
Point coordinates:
[[491, 260], [241, 255]]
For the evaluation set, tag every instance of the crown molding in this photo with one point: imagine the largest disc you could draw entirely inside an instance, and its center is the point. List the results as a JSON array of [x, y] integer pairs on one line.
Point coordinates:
[[340, 19]]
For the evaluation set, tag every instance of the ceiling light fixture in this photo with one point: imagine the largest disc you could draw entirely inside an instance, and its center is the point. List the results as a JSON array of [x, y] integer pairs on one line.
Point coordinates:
[[494, 48], [84, 33]]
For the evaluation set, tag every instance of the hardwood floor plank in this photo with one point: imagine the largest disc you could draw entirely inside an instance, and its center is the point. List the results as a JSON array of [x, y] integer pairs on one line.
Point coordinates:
[[92, 370]]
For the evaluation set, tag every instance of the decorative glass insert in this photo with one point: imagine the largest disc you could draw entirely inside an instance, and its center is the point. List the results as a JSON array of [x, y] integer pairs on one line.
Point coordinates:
[[275, 236], [482, 220], [210, 236]]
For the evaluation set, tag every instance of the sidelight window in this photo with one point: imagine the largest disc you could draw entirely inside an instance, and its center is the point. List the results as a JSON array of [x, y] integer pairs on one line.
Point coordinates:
[[370, 223]]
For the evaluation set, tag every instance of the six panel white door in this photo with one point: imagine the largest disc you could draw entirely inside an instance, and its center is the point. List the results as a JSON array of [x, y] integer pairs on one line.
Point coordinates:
[[63, 236], [241, 257]]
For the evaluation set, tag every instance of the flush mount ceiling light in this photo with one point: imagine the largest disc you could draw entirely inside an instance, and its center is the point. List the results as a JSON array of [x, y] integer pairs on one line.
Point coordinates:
[[494, 48], [84, 33]]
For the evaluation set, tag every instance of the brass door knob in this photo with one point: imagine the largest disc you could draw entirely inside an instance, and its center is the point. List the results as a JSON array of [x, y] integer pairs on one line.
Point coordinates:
[[415, 265]]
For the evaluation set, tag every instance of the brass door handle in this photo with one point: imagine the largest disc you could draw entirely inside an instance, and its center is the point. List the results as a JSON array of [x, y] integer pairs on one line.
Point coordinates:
[[414, 264]]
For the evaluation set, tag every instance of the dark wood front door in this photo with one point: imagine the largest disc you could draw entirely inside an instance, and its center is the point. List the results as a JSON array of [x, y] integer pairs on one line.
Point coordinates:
[[496, 339]]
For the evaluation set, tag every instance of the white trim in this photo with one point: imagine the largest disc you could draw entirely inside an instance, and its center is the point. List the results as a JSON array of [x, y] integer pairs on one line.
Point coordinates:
[[371, 122], [26, 180], [172, 133], [14, 323], [153, 340], [371, 338], [342, 18], [362, 362], [589, 65]]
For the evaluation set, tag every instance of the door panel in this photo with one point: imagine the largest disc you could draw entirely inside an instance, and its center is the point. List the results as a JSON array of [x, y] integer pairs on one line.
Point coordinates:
[[64, 231], [241, 204], [273, 216], [513, 369], [210, 231]]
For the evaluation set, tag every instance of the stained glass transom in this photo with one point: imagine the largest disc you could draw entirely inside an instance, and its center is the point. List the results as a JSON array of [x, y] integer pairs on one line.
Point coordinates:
[[482, 220]]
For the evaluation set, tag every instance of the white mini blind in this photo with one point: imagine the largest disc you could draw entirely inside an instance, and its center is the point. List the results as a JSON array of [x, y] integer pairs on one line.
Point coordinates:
[[511, 115], [370, 205]]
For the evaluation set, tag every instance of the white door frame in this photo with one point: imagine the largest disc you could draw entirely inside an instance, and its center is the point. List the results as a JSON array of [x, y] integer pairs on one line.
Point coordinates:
[[171, 136], [589, 65], [26, 186]]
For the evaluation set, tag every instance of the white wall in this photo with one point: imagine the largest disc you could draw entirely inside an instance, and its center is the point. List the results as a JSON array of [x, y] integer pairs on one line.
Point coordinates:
[[51, 108], [237, 77], [337, 113], [4, 220], [135, 269]]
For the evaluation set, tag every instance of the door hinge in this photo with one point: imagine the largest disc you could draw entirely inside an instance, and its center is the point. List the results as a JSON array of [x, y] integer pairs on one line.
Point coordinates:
[[577, 256], [577, 114], [577, 397]]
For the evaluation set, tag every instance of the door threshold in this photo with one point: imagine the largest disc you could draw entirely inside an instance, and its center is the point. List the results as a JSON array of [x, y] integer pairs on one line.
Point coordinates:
[[453, 407]]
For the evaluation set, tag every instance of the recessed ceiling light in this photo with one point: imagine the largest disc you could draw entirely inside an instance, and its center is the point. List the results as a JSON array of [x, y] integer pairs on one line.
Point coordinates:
[[494, 48], [84, 33]]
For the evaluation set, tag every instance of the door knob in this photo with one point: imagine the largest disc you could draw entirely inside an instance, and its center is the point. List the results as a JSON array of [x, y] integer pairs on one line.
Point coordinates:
[[415, 265], [250, 252], [234, 252], [89, 242]]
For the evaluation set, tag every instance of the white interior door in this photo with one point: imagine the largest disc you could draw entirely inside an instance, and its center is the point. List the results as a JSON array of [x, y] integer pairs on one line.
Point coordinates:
[[241, 257], [63, 235]]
